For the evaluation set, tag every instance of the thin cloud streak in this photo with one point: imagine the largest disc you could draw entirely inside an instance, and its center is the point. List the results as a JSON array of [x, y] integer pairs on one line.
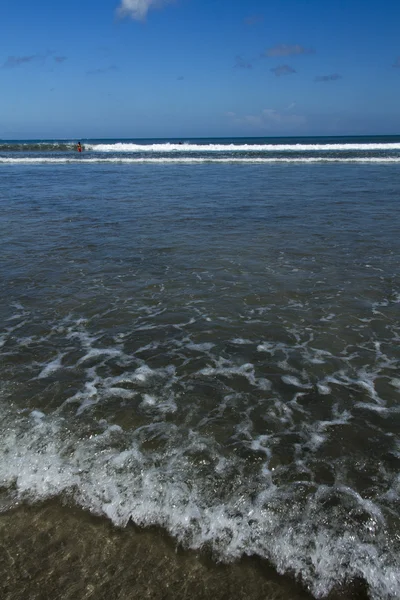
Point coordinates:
[[283, 70], [138, 9], [333, 77], [13, 62], [270, 119], [254, 19], [396, 63], [16, 61], [241, 63], [287, 50], [101, 71]]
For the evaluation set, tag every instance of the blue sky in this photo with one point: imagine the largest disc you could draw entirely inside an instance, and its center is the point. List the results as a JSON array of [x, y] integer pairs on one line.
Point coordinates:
[[191, 68]]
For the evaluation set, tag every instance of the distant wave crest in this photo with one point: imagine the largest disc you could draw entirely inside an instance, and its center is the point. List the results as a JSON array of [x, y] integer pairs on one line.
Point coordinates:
[[188, 147], [195, 160]]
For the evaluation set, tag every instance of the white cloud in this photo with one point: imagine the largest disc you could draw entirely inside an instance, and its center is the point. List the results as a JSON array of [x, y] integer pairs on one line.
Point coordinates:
[[242, 63], [253, 20], [287, 50], [332, 77], [16, 61], [138, 9], [283, 70], [271, 120]]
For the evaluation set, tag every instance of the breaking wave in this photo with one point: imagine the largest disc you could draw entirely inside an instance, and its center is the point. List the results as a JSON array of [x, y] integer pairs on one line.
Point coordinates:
[[198, 160]]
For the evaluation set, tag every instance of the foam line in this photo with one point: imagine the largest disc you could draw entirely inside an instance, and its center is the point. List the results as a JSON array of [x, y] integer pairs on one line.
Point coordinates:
[[187, 147], [194, 160]]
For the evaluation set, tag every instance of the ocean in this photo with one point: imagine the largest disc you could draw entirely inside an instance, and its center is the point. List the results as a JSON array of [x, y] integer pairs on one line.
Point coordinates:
[[200, 368]]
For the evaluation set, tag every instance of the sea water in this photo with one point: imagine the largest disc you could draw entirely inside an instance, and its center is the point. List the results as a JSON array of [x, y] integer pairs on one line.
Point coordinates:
[[204, 336]]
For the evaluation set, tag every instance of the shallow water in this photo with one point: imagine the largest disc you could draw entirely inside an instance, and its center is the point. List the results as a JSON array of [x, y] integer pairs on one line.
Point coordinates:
[[56, 552], [212, 349]]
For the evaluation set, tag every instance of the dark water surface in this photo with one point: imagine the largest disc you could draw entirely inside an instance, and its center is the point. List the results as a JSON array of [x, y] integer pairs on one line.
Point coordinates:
[[205, 356]]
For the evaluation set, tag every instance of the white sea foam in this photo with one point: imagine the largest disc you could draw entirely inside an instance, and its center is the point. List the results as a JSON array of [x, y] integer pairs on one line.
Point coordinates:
[[198, 489], [291, 380], [200, 347], [202, 160], [189, 147], [298, 533], [324, 389], [99, 352], [395, 382], [246, 370], [52, 366]]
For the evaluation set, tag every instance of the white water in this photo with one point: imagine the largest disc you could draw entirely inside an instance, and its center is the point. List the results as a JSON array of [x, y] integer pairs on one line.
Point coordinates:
[[188, 147], [326, 534], [195, 160], [44, 458]]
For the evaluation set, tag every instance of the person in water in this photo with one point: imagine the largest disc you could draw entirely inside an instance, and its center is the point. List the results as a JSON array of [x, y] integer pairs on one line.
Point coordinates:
[[79, 147]]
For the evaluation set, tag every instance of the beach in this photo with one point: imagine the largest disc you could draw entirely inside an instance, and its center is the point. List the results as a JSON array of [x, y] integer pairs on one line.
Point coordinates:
[[200, 374]]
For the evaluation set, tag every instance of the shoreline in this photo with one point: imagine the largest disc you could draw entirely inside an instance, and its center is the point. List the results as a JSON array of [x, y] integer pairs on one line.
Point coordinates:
[[55, 551]]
